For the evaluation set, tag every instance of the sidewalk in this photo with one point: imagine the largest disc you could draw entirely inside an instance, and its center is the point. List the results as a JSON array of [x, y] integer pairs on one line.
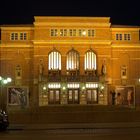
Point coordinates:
[[74, 126]]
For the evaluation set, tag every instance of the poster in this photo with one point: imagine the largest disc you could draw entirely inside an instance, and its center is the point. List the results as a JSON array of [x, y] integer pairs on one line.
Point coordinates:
[[18, 96], [125, 95]]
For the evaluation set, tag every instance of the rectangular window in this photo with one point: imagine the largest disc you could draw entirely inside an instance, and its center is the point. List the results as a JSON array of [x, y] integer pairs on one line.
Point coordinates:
[[127, 37], [23, 36], [72, 32], [63, 32], [14, 36], [91, 33], [118, 36], [54, 32], [82, 32], [18, 36]]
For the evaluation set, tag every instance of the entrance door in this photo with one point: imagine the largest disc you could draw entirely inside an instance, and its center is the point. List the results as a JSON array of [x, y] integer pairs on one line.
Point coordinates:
[[92, 96], [73, 96], [54, 96]]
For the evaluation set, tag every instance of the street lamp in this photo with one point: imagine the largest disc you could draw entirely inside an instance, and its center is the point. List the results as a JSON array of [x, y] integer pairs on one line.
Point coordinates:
[[3, 81]]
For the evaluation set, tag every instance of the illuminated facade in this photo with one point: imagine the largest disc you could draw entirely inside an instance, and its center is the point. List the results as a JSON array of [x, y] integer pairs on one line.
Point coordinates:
[[70, 60]]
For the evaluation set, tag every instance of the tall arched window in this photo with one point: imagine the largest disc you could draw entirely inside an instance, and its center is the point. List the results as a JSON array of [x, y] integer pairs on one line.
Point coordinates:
[[72, 60], [54, 60], [90, 60]]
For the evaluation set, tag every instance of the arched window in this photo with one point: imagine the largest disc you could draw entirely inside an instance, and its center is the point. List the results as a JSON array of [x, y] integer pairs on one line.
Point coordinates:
[[90, 60], [72, 60], [54, 60]]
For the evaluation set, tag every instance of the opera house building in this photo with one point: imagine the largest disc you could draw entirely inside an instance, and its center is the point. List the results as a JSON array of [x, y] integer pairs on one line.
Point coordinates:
[[70, 61]]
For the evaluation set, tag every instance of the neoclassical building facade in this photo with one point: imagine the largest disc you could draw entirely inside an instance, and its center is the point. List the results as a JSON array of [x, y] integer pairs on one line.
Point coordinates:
[[70, 60]]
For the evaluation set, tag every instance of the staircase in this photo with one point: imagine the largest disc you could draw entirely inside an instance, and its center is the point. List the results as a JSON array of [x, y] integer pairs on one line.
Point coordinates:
[[53, 114]]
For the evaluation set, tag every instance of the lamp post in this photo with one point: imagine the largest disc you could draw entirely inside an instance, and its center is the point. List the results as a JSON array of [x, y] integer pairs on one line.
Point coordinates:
[[3, 82]]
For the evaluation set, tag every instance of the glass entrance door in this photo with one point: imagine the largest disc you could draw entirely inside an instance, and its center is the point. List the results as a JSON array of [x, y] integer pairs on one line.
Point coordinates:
[[54, 96], [73, 96], [92, 96]]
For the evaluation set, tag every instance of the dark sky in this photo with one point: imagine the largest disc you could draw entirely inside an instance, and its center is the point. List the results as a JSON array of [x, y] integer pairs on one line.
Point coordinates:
[[124, 12]]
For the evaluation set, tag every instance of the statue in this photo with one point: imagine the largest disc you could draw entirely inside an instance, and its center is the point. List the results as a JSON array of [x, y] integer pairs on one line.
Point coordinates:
[[103, 69]]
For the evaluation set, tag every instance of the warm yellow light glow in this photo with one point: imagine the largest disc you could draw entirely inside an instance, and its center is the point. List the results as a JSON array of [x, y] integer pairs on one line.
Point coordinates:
[[5, 81], [90, 60], [9, 79], [84, 33], [44, 88], [91, 85], [73, 85], [72, 60], [54, 85], [102, 87], [83, 87], [64, 88], [54, 61]]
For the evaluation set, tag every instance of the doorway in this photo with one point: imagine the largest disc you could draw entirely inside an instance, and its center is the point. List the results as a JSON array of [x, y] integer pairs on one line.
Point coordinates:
[[73, 96], [92, 96], [54, 96]]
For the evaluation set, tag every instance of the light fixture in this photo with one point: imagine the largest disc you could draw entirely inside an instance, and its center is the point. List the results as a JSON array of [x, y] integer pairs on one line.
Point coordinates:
[[64, 88], [102, 87], [5, 81], [83, 88], [9, 79], [54, 85], [44, 88], [84, 33]]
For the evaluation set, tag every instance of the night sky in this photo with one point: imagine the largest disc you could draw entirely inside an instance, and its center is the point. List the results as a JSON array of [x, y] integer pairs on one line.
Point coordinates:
[[122, 12]]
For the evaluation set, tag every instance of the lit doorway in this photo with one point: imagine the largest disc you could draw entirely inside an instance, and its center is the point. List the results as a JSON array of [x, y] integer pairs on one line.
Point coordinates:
[[92, 96], [73, 96], [54, 96]]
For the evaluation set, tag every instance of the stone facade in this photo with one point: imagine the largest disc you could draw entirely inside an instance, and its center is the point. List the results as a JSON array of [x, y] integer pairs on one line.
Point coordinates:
[[25, 58]]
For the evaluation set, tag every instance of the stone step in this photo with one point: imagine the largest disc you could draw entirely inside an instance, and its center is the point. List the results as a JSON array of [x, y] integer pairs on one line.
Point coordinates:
[[81, 108], [75, 114]]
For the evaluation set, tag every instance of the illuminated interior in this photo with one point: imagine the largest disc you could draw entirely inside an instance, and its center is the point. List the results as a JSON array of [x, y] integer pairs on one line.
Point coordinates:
[[90, 60], [54, 85], [91, 85], [72, 60], [73, 85], [54, 61]]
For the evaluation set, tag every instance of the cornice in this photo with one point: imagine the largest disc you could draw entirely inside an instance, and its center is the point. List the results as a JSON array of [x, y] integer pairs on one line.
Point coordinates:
[[126, 45], [15, 46], [43, 42], [48, 18], [71, 24], [16, 28], [125, 29]]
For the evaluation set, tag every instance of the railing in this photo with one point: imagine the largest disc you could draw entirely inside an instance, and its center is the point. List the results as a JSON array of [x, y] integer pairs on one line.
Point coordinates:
[[91, 78], [54, 78], [73, 78], [69, 78]]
